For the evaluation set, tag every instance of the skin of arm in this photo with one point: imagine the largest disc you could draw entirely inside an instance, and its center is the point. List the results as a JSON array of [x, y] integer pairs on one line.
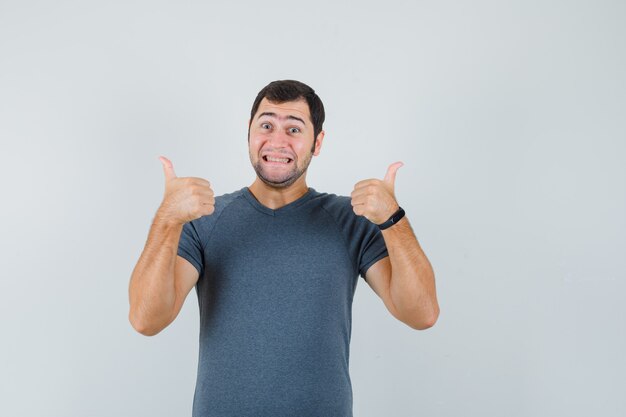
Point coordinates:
[[405, 280], [160, 281]]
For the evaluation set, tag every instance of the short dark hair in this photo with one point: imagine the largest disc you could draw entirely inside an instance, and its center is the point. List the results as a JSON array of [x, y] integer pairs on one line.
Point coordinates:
[[291, 90]]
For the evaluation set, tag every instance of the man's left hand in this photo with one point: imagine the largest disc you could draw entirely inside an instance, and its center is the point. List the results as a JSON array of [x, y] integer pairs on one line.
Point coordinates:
[[375, 199]]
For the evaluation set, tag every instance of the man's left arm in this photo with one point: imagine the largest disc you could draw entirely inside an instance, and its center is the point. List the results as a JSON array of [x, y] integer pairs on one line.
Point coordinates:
[[405, 280]]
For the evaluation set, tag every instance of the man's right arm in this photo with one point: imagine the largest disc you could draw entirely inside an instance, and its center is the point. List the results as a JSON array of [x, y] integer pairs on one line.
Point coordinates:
[[160, 281]]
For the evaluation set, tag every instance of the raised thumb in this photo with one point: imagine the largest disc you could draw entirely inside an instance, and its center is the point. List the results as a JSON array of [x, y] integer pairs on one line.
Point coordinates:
[[390, 176], [168, 168]]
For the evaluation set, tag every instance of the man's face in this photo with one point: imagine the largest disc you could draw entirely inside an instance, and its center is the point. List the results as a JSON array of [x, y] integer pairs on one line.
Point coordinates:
[[281, 137]]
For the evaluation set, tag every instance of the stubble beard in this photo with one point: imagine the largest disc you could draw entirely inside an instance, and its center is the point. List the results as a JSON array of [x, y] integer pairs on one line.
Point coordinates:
[[287, 178]]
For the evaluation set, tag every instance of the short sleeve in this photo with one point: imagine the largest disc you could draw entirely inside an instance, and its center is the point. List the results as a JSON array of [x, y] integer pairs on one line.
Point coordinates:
[[364, 240], [372, 246], [190, 246]]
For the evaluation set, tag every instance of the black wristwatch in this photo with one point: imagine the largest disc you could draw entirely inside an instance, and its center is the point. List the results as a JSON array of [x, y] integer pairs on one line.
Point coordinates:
[[395, 218]]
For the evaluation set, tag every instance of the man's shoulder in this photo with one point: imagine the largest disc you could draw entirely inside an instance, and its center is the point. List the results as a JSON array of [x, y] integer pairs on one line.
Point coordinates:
[[225, 199], [205, 223], [330, 198], [339, 207]]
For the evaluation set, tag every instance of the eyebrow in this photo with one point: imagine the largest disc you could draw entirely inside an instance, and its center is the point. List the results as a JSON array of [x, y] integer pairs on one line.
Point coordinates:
[[272, 114]]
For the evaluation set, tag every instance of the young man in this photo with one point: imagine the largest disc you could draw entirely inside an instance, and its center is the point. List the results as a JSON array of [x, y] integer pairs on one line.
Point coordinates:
[[275, 266]]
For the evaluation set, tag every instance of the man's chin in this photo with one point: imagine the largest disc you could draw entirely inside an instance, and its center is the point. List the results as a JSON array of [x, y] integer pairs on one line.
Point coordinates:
[[277, 183], [283, 181]]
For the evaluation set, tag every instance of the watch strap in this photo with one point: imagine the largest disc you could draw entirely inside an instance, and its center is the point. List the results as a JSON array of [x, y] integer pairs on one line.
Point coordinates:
[[395, 218]]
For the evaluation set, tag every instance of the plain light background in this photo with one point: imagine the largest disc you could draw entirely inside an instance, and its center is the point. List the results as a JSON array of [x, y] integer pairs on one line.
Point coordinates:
[[510, 118]]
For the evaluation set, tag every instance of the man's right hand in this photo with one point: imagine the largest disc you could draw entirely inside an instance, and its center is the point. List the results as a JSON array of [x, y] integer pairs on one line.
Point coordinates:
[[186, 198]]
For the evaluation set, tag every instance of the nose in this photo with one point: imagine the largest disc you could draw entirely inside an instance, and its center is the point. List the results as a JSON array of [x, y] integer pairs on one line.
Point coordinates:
[[279, 139]]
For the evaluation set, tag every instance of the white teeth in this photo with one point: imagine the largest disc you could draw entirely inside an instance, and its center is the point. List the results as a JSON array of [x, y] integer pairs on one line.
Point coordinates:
[[284, 160]]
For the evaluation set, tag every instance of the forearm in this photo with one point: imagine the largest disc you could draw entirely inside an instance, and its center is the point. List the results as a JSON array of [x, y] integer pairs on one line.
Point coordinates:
[[152, 291], [412, 285]]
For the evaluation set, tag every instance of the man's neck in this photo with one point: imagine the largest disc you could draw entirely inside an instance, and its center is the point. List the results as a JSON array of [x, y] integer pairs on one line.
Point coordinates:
[[275, 198]]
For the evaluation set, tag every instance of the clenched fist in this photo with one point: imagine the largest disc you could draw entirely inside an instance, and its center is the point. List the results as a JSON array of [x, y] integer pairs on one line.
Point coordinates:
[[186, 198]]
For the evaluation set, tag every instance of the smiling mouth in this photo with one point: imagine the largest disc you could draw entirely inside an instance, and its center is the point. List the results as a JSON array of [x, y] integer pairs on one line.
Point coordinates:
[[277, 160]]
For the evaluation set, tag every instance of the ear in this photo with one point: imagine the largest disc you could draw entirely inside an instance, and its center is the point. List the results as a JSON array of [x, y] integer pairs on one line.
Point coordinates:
[[318, 143]]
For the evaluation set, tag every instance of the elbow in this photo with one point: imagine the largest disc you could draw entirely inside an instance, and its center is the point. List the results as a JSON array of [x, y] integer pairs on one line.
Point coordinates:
[[426, 321], [142, 326]]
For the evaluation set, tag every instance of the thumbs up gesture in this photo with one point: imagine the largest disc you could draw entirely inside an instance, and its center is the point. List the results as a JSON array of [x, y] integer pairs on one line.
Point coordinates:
[[375, 199], [185, 199]]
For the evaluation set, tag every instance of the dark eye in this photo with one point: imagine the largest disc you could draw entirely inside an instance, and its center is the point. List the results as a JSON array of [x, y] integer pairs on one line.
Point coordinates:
[[266, 126], [294, 130]]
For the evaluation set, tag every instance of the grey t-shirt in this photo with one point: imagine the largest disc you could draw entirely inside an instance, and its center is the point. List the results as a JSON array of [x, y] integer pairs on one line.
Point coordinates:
[[275, 294]]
